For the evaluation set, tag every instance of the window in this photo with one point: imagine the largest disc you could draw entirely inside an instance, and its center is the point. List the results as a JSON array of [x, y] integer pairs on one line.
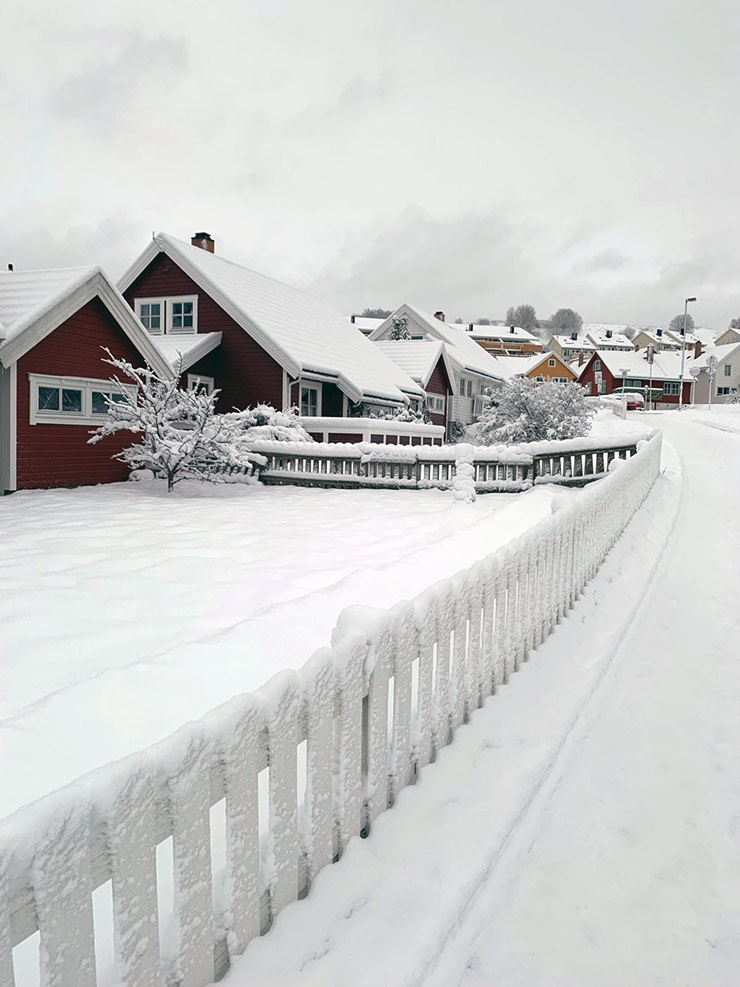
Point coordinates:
[[309, 401], [602, 387], [728, 370], [462, 387], [435, 403], [72, 400], [178, 315], [632, 382], [723, 390], [597, 364], [671, 387], [551, 363], [198, 382], [470, 388]]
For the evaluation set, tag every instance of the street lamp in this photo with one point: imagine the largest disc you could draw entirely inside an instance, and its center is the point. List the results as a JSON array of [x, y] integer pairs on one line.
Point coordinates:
[[683, 348]]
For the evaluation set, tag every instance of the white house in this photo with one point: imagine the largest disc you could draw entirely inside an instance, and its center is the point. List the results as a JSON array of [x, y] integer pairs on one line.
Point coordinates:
[[474, 369], [727, 373]]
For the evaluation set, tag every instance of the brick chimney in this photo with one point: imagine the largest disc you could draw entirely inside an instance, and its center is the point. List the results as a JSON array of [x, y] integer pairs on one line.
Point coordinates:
[[697, 349], [580, 359], [205, 241], [440, 316]]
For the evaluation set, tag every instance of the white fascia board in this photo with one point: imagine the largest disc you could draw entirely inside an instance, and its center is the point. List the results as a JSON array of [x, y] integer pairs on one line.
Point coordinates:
[[124, 315], [139, 266]]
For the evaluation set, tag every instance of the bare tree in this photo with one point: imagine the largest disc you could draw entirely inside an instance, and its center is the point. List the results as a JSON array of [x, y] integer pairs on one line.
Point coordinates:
[[374, 313], [677, 323], [523, 316], [566, 320]]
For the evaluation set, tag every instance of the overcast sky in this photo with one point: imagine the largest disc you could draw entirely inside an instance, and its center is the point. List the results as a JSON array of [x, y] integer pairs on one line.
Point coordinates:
[[465, 155]]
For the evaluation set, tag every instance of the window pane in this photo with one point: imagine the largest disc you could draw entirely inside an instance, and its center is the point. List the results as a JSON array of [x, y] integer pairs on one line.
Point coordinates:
[[144, 312], [99, 403], [187, 308], [71, 400], [118, 398], [176, 321], [187, 320], [48, 399]]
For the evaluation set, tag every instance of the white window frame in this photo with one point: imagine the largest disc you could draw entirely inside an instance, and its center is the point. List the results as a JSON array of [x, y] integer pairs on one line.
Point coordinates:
[[551, 363], [85, 384], [190, 330], [310, 385], [138, 302], [671, 388], [167, 303], [435, 403], [200, 380], [728, 370]]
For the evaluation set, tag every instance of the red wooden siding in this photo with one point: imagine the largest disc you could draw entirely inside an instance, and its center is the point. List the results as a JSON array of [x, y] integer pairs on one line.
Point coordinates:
[[588, 380], [58, 455], [439, 386], [245, 374]]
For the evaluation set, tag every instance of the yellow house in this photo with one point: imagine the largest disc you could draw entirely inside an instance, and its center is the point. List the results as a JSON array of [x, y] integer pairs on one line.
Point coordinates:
[[540, 367]]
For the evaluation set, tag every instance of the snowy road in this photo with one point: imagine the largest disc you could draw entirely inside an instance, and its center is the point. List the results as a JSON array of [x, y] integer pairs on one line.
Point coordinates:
[[584, 828]]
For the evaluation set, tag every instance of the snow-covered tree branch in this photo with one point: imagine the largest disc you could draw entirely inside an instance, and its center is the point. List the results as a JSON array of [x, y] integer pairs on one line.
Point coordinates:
[[523, 411]]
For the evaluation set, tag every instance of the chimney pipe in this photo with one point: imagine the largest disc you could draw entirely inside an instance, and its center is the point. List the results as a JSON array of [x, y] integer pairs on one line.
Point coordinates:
[[10, 267], [512, 328], [205, 241], [697, 349], [440, 316]]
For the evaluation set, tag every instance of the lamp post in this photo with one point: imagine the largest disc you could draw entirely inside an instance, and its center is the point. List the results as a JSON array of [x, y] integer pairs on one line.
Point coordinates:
[[711, 371], [683, 348]]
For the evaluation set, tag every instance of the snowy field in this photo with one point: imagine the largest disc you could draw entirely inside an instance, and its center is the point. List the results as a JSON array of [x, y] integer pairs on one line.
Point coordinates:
[[126, 613], [581, 830]]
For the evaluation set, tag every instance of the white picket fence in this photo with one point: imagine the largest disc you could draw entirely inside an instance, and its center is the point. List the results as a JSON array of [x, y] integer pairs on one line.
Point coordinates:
[[373, 709]]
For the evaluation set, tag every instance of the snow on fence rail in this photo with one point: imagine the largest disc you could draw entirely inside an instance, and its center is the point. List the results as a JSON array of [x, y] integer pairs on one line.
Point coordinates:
[[373, 709], [495, 468]]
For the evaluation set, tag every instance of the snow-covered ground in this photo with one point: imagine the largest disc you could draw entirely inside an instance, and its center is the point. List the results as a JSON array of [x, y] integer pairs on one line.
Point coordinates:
[[125, 612], [583, 828], [722, 416]]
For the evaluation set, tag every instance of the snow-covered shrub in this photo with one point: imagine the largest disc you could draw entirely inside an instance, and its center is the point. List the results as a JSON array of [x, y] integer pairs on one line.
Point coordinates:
[[733, 397], [400, 328], [522, 411], [265, 422], [463, 484], [180, 434]]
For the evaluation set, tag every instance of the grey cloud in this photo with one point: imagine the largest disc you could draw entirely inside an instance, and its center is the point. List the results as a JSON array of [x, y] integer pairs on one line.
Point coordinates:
[[102, 94], [607, 260]]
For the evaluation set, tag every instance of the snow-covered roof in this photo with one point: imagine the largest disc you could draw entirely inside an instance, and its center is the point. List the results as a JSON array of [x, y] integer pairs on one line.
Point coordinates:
[[690, 338], [566, 342], [515, 333], [657, 337], [720, 353], [519, 366], [666, 365], [182, 352], [303, 333], [366, 324], [463, 350], [417, 357], [34, 303], [597, 335]]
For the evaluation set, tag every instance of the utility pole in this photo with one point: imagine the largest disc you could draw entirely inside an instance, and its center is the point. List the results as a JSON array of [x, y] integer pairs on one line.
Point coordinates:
[[683, 348]]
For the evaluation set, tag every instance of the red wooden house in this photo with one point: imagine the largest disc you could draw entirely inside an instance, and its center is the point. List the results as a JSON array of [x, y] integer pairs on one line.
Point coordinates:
[[606, 371], [266, 341], [53, 375]]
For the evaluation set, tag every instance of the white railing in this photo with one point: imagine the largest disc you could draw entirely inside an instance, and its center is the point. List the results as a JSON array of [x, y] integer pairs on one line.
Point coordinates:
[[380, 430], [373, 710], [495, 468]]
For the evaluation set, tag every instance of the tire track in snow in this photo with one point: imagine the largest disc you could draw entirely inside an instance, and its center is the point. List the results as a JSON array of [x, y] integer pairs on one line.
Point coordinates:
[[548, 781]]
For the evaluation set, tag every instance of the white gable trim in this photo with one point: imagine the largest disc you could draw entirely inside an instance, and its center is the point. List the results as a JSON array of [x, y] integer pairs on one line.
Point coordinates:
[[8, 427], [158, 246], [99, 286]]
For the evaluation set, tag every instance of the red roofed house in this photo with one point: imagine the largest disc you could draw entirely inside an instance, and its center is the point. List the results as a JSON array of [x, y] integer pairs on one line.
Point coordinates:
[[429, 364], [606, 371], [53, 378]]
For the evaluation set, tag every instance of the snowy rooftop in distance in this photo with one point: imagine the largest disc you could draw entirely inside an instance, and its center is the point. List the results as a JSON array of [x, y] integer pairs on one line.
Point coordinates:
[[366, 324], [515, 333], [720, 353], [567, 342], [155, 609], [597, 334], [517, 366], [26, 295]]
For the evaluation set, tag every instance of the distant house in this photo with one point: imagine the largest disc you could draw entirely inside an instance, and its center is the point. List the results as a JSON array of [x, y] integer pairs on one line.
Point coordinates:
[[727, 373], [267, 341], [54, 382], [428, 363], [607, 338], [474, 369], [570, 348], [608, 370], [365, 324], [654, 336], [690, 340], [541, 367], [504, 340], [728, 336]]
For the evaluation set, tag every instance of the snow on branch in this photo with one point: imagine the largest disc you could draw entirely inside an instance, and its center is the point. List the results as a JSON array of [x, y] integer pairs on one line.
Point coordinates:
[[524, 411]]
